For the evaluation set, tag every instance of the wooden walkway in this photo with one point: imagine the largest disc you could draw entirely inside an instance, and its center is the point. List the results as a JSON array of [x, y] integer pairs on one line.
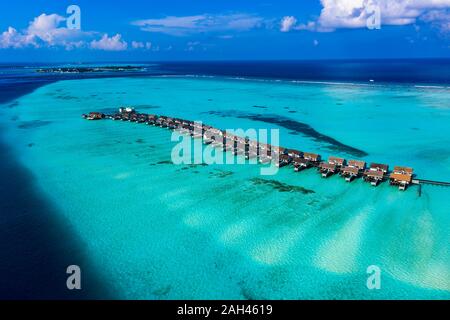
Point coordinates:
[[132, 116], [431, 182]]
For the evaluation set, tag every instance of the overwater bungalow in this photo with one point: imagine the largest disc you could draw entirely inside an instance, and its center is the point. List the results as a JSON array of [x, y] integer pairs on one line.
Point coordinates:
[[126, 110], [251, 151], [313, 158], [350, 173], [220, 140], [301, 164], [133, 117], [178, 122], [374, 177], [183, 129], [379, 167], [116, 116], [94, 116], [198, 130], [127, 113], [171, 124], [230, 142], [151, 119], [240, 147], [159, 122], [401, 177], [376, 173], [339, 162], [283, 160], [168, 122], [265, 153], [210, 135], [295, 153], [125, 116], [327, 169], [361, 165], [354, 169], [278, 151], [142, 118]]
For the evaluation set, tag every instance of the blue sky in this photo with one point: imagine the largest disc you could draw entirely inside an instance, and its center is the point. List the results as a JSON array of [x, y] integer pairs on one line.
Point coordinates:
[[137, 30]]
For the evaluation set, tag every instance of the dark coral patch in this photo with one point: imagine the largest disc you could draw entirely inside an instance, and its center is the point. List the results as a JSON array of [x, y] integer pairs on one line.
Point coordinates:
[[280, 186]]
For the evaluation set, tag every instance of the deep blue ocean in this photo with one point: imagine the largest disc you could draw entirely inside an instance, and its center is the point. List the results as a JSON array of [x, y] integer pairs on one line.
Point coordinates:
[[32, 262]]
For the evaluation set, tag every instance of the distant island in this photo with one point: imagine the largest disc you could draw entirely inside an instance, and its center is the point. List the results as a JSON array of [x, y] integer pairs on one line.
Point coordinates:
[[91, 69]]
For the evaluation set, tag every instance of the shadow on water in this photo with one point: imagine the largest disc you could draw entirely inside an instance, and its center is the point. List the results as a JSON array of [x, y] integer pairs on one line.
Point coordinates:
[[36, 244], [295, 127], [14, 90]]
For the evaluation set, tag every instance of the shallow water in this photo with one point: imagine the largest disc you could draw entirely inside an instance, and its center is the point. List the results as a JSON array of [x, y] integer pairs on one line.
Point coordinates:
[[161, 231]]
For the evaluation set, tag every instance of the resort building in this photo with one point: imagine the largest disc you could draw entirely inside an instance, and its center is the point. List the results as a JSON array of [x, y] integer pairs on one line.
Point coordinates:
[[283, 160], [94, 116], [339, 162], [266, 153], [353, 170], [301, 164], [313, 158], [350, 173], [230, 142], [295, 153], [327, 169], [240, 147], [252, 150], [376, 173], [401, 177]]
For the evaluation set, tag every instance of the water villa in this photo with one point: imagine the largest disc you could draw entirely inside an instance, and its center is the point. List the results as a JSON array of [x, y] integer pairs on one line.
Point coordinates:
[[266, 153], [94, 116], [240, 146], [353, 170], [283, 160], [339, 162], [376, 173], [327, 169], [301, 164], [252, 151], [401, 177], [313, 158], [294, 154]]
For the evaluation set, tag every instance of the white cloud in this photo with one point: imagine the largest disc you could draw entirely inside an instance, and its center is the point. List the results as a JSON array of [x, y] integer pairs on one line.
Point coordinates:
[[439, 19], [49, 30], [11, 38], [186, 25], [141, 45], [43, 31], [106, 43], [352, 14], [287, 23]]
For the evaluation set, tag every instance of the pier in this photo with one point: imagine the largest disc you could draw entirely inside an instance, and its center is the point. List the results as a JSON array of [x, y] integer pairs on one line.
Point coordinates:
[[431, 182], [401, 177]]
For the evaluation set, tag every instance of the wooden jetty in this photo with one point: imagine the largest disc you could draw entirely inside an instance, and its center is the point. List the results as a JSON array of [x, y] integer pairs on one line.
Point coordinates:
[[402, 177]]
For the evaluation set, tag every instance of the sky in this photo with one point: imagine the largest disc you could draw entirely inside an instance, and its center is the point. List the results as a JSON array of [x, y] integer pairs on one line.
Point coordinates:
[[155, 30]]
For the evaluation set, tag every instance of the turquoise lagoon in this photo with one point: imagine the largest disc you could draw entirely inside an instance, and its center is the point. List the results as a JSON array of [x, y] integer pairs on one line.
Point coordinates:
[[155, 230]]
